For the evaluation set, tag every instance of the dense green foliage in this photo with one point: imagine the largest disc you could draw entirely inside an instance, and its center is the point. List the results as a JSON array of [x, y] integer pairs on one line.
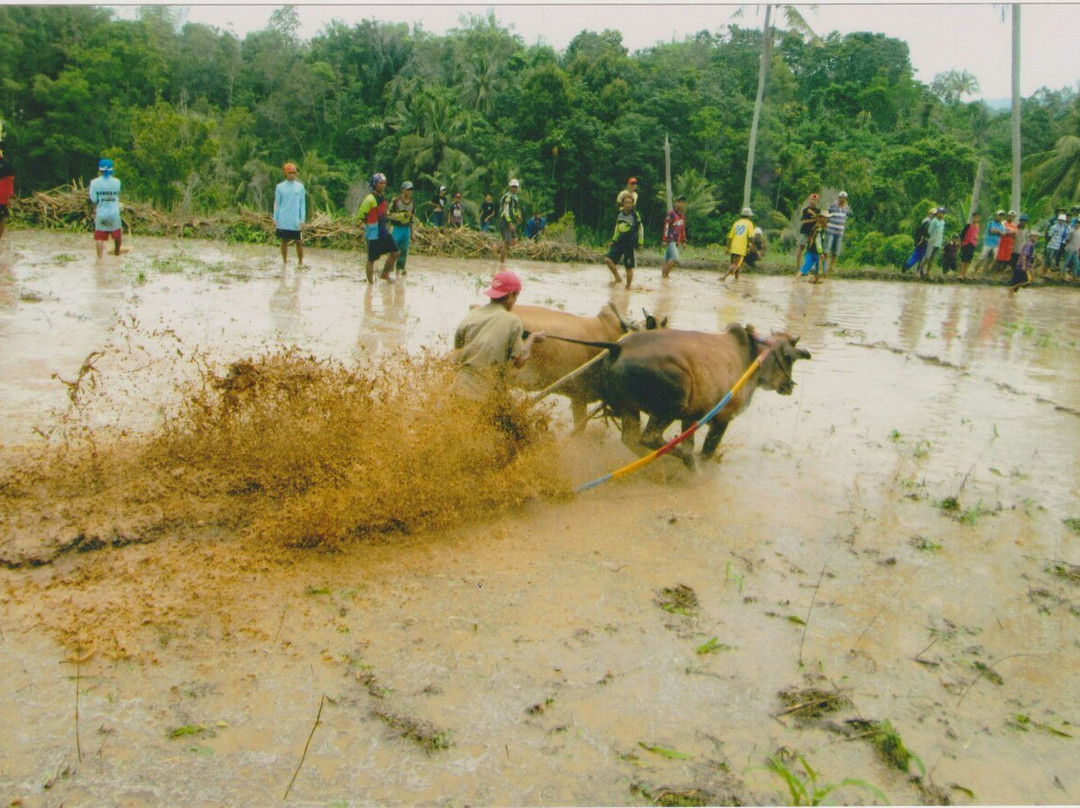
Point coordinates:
[[198, 120]]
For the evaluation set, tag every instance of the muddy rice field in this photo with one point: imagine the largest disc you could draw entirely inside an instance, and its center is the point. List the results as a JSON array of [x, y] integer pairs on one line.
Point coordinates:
[[251, 555]]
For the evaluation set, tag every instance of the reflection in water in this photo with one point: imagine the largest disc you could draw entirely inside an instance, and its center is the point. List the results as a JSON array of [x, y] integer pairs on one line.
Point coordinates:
[[912, 316], [285, 306], [7, 281], [383, 324]]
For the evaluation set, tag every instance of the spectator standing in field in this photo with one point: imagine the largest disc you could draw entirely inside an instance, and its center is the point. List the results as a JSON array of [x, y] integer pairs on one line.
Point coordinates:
[[1005, 243], [1025, 259], [738, 242], [807, 225], [995, 229], [509, 219], [535, 226], [1055, 241], [1072, 250], [969, 240], [935, 236], [290, 213], [401, 214], [922, 233], [814, 247], [674, 234], [630, 190], [457, 212], [372, 213], [487, 213], [104, 194], [438, 207], [629, 233], [7, 190], [834, 234]]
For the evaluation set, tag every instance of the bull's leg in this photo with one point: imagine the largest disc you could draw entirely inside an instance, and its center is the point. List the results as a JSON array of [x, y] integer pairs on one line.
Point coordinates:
[[654, 439], [712, 440], [631, 432], [579, 409]]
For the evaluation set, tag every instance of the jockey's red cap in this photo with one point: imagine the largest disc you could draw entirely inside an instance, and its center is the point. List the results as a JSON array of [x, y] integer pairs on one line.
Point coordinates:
[[504, 283]]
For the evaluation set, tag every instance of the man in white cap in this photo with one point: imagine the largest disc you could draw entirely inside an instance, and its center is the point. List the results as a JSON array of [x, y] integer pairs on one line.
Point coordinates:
[[834, 233], [104, 194], [509, 218], [738, 242], [489, 339], [1055, 241]]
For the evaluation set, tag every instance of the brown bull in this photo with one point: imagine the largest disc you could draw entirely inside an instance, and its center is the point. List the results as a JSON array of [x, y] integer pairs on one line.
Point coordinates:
[[681, 375], [555, 358]]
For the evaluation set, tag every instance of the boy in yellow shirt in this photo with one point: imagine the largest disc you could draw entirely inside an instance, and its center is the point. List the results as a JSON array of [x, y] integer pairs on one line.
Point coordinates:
[[738, 239]]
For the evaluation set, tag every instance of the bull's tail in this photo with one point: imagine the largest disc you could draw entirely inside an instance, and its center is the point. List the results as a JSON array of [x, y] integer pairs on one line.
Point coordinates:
[[614, 348]]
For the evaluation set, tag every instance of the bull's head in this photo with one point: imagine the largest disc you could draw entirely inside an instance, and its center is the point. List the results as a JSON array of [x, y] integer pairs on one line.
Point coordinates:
[[648, 324], [775, 372]]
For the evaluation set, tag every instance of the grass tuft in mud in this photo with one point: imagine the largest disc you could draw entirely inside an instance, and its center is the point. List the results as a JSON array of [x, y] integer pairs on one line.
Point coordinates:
[[680, 599], [425, 735], [888, 744], [811, 703]]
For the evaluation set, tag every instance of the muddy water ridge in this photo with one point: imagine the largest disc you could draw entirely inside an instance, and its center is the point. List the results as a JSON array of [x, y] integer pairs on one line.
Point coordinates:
[[893, 548]]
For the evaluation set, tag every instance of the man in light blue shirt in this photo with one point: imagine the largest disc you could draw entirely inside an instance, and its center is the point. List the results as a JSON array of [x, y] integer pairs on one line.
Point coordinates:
[[935, 236], [105, 196], [290, 212]]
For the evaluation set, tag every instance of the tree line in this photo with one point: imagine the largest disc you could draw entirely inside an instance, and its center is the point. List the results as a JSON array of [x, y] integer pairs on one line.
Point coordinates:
[[198, 120]]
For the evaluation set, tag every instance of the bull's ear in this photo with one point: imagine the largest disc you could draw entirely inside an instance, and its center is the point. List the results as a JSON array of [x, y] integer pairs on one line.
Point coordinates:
[[663, 323]]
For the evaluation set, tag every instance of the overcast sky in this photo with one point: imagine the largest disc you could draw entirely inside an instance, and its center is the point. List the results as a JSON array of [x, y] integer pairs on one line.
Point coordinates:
[[940, 37]]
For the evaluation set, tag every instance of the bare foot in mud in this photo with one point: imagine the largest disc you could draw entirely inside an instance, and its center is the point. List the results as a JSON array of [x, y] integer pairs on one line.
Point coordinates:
[[386, 277], [615, 282]]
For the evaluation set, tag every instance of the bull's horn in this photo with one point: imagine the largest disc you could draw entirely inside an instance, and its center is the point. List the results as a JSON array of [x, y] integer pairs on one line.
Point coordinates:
[[794, 341]]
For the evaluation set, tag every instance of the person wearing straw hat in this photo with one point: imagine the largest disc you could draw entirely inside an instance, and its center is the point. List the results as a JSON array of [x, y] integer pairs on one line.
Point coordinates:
[[290, 212], [490, 339], [104, 193]]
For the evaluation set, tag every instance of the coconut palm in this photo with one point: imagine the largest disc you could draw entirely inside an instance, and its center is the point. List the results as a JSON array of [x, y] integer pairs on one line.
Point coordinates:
[[1015, 198], [700, 193], [797, 23], [1056, 172], [952, 85]]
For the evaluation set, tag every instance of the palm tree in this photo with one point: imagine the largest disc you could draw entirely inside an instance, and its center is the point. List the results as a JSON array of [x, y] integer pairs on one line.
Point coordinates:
[[796, 22], [1056, 173], [1015, 198], [699, 192], [952, 85]]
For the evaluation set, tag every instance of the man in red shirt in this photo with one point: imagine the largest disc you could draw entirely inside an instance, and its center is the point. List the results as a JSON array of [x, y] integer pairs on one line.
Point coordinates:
[[969, 240], [7, 190], [674, 234], [1005, 245]]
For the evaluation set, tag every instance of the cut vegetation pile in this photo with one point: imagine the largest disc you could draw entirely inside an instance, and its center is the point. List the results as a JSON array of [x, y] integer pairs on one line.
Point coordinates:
[[67, 208]]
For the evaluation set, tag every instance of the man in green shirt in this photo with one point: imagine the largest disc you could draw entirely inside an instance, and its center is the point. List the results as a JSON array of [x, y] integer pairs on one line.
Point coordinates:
[[509, 219]]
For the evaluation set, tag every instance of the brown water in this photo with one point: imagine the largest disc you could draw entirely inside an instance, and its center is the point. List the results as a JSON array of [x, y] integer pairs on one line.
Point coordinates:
[[534, 641]]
